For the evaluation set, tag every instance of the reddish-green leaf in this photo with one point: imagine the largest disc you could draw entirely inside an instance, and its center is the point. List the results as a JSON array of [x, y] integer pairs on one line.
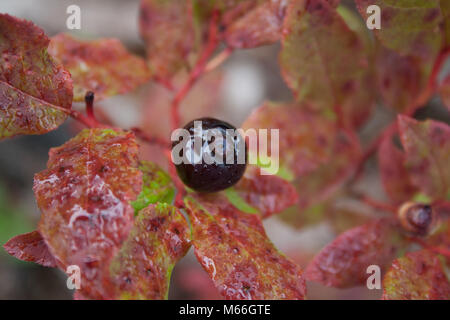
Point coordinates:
[[440, 238], [103, 66], [427, 147], [321, 184], [394, 175], [445, 8], [325, 62], [269, 194], [167, 28], [416, 276], [142, 268], [343, 263], [304, 137], [84, 196], [400, 79], [408, 27], [34, 90], [260, 26], [444, 92], [339, 218], [313, 150], [30, 247], [233, 248]]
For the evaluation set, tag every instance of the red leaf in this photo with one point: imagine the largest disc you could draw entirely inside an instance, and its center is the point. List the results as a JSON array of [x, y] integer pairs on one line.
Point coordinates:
[[167, 28], [235, 251], [103, 66], [343, 263], [143, 267], [84, 196], [268, 193], [417, 276], [323, 183], [30, 247], [394, 175], [326, 63], [427, 147], [400, 79], [260, 26], [34, 90], [444, 92]]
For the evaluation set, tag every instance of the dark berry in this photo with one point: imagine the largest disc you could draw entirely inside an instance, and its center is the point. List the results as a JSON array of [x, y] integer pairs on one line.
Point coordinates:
[[213, 154]]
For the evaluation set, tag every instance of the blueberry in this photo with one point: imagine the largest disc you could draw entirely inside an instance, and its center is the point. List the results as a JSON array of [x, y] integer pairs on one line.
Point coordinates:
[[214, 155]]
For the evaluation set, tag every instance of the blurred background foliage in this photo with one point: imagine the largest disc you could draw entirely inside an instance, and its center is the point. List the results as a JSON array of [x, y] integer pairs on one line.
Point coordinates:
[[248, 78]]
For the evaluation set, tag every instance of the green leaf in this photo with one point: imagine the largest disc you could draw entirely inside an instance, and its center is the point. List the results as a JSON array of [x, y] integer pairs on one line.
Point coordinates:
[[143, 266], [234, 250], [417, 276], [237, 201], [34, 89], [157, 187]]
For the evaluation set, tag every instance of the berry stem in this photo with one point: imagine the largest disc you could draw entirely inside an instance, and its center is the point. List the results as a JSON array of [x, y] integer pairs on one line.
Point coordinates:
[[89, 99]]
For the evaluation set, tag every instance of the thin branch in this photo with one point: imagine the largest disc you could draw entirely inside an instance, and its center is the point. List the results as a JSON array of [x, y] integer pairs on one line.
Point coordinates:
[[219, 59], [436, 249], [376, 204], [151, 139]]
